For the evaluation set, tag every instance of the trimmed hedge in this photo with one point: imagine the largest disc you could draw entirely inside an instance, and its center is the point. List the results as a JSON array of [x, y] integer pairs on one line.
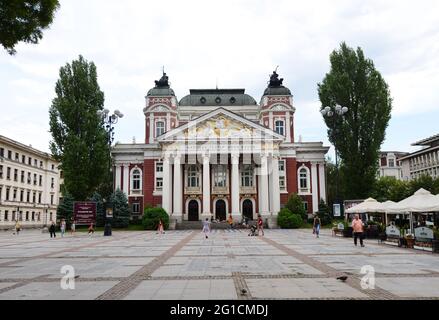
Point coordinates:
[[288, 220], [151, 218]]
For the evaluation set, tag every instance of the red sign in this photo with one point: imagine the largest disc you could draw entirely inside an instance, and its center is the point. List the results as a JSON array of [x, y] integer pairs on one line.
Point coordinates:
[[84, 212]]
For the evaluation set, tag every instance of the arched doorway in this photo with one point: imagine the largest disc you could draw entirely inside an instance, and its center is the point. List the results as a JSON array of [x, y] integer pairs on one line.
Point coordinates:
[[220, 210], [193, 210], [247, 209]]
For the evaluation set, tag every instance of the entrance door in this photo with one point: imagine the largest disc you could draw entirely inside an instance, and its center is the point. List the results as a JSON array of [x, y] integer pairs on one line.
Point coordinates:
[[193, 211], [247, 209], [220, 210]]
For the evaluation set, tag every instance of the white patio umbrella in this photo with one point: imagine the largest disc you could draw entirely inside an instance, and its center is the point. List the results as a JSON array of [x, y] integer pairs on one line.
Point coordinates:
[[368, 205], [421, 201]]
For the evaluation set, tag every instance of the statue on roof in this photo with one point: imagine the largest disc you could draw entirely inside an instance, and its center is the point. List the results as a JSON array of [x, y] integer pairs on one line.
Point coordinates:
[[163, 82], [275, 82]]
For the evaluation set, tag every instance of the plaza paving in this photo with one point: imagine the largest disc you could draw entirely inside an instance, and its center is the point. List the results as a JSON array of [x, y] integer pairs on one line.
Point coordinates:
[[284, 264]]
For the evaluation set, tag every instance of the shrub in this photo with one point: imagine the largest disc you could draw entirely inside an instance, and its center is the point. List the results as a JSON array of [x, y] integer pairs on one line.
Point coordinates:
[[151, 218], [287, 220], [295, 205]]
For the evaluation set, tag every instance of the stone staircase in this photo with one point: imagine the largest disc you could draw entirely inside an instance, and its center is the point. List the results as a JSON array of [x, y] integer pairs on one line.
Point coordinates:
[[198, 225]]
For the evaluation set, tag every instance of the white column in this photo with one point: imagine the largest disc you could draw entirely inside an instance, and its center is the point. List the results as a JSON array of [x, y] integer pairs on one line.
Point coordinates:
[[275, 189], [166, 185], [288, 127], [270, 184], [117, 177], [314, 186], [206, 187], [270, 117], [151, 127], [264, 186], [177, 190], [126, 178], [236, 212], [322, 181]]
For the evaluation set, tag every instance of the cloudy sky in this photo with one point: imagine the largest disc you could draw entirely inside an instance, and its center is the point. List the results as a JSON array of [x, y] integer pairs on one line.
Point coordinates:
[[232, 43]]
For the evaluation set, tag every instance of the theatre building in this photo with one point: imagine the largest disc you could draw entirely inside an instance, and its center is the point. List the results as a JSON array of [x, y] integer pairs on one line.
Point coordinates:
[[218, 152]]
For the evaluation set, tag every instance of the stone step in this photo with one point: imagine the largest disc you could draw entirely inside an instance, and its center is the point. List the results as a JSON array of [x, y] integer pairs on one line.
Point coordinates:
[[194, 225]]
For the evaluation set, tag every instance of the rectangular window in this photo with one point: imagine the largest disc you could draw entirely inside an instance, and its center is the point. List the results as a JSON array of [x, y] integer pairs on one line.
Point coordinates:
[[2, 152], [27, 215], [33, 216], [247, 176], [6, 215], [21, 195], [15, 174], [282, 183], [13, 216], [52, 185], [29, 161], [22, 176], [53, 167], [220, 176], [17, 157], [159, 183], [305, 205], [8, 173], [34, 197], [28, 196], [39, 198], [35, 179], [41, 180], [391, 163], [29, 178], [23, 159], [159, 128], [51, 199], [7, 194], [136, 208], [35, 162], [282, 176], [41, 164], [159, 167], [1, 172], [14, 195], [10, 154]]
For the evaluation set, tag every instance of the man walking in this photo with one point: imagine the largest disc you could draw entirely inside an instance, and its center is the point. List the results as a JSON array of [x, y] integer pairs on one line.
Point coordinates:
[[358, 228]]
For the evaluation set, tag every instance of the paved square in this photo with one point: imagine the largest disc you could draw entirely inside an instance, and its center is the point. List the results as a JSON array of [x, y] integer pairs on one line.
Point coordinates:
[[182, 265]]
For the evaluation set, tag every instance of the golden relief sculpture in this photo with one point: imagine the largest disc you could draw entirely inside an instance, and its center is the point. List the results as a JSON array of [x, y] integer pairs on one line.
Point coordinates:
[[220, 127]]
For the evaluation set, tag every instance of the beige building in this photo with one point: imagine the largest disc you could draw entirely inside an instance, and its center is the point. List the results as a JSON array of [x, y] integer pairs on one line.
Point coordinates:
[[29, 185], [422, 162], [390, 165]]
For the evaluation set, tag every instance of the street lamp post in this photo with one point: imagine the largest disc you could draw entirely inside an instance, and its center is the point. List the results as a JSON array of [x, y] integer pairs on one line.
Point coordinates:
[[331, 113], [109, 121]]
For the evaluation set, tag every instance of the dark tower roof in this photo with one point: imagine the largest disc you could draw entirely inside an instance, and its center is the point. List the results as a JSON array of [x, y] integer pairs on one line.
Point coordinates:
[[162, 87], [275, 86]]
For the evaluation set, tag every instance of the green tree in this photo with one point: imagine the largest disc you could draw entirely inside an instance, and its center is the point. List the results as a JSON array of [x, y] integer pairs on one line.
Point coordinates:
[[100, 210], [65, 208], [24, 21], [295, 205], [424, 181], [287, 220], [353, 82], [121, 213], [79, 140], [324, 213]]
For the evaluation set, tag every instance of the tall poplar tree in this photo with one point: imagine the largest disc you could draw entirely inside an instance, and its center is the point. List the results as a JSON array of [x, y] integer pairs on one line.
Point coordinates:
[[353, 82], [79, 139]]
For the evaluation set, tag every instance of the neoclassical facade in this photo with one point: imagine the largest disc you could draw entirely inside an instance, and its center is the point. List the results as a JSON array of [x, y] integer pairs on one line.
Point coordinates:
[[218, 152]]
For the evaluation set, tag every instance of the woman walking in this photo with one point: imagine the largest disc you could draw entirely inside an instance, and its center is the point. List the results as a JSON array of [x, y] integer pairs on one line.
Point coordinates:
[[17, 227], [73, 228], [160, 229], [260, 224], [316, 225], [63, 227], [91, 229], [206, 227]]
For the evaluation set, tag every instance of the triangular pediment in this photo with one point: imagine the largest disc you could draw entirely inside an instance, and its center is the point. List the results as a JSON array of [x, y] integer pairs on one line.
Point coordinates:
[[220, 124]]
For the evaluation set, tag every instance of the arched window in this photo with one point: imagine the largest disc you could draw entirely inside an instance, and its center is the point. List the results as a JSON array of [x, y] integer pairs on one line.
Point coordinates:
[[193, 180], [280, 127], [303, 179], [247, 176], [136, 178], [159, 128]]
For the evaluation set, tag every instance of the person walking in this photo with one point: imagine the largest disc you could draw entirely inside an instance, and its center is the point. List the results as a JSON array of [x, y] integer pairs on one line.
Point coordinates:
[[316, 225], [63, 227], [91, 229], [206, 227], [160, 228], [52, 229], [73, 227], [358, 228], [260, 224], [17, 227], [230, 221]]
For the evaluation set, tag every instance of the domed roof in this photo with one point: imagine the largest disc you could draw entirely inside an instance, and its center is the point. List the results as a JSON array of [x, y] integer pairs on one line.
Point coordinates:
[[217, 97]]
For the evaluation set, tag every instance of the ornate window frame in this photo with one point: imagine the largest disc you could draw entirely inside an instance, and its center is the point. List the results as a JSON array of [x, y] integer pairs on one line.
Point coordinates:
[[300, 170]]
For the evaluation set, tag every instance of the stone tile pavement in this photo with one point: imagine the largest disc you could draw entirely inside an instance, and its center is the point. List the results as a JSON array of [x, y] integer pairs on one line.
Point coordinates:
[[284, 264]]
